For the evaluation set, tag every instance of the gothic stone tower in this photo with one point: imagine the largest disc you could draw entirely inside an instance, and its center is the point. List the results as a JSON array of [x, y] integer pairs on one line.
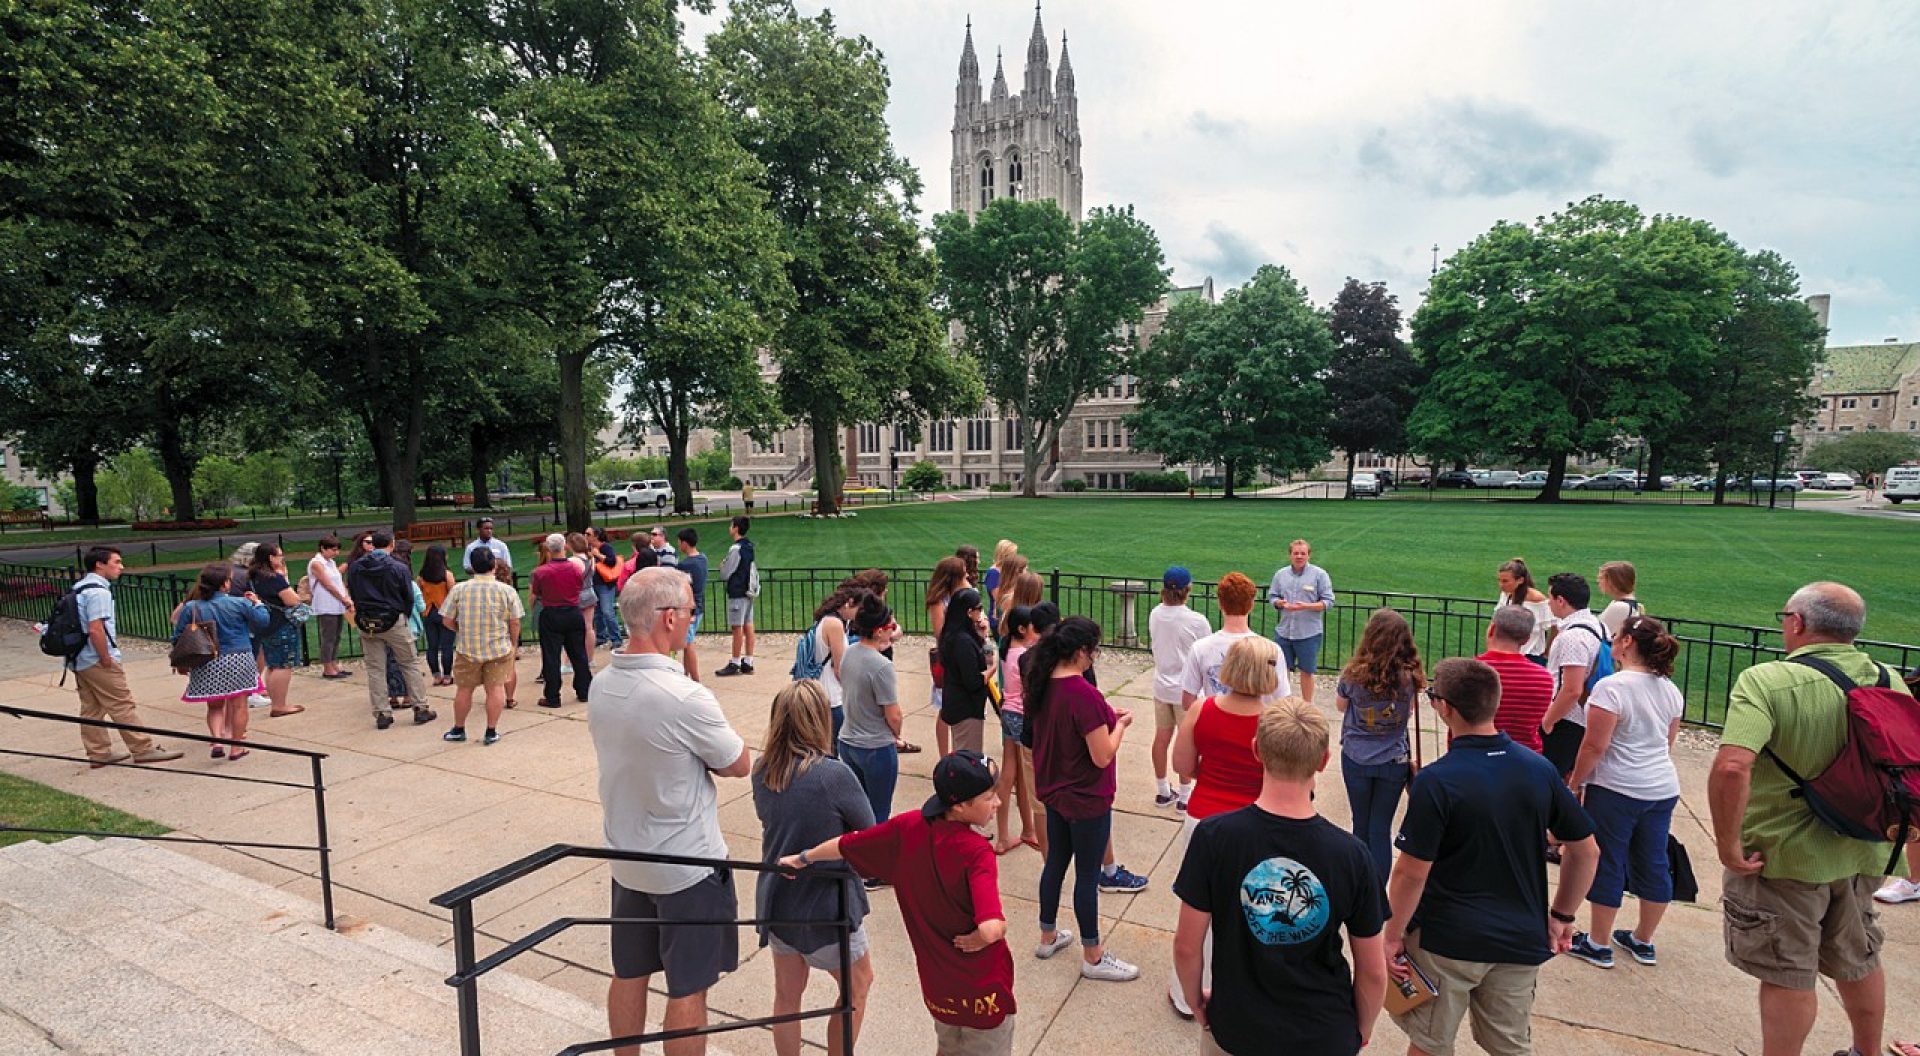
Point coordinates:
[[1023, 146]]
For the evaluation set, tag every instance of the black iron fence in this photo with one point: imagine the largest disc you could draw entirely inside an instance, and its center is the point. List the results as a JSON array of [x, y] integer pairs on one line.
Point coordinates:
[[467, 968], [1712, 654], [1673, 495]]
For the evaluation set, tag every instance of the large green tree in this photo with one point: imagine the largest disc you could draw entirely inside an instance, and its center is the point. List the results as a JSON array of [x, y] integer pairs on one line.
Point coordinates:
[[861, 342], [1240, 383], [1372, 379], [1045, 306], [1863, 453], [1570, 335]]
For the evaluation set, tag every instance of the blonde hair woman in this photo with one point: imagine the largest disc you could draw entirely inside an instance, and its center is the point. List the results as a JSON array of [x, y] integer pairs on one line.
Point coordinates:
[[805, 797]]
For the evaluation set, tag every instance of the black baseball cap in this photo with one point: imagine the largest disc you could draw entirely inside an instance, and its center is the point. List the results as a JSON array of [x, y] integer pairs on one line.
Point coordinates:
[[956, 779]]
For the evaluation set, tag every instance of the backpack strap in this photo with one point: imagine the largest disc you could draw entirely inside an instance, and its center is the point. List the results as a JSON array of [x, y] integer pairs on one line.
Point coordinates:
[[1838, 677]]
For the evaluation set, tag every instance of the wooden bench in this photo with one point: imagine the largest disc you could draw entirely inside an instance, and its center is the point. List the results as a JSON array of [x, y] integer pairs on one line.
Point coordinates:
[[454, 532], [36, 518]]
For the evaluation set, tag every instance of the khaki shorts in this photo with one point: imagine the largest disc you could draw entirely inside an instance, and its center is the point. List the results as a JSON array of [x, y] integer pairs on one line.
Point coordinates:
[[1167, 714], [469, 673], [950, 1040], [1499, 995], [1789, 933], [970, 734]]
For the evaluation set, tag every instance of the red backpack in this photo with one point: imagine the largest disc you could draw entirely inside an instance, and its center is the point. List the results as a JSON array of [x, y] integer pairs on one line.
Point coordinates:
[[1871, 790]]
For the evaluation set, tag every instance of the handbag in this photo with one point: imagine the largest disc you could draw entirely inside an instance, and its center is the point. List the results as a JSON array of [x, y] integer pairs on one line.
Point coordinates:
[[372, 622], [934, 667], [196, 644], [298, 613]]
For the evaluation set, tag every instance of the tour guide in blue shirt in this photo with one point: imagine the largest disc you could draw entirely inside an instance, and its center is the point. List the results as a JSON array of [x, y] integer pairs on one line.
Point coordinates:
[[1302, 592], [1469, 891]]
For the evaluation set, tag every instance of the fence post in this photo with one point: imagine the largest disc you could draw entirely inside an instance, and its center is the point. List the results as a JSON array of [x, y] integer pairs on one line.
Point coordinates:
[[1053, 588]]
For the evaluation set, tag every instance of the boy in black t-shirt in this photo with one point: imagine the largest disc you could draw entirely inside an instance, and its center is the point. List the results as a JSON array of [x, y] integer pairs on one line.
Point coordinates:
[[1277, 882]]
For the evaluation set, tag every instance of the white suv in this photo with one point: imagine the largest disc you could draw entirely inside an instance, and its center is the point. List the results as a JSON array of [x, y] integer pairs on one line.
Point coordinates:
[[1900, 483], [653, 493]]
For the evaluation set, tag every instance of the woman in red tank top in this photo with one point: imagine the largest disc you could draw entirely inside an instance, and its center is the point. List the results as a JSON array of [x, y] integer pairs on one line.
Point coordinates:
[[1214, 749]]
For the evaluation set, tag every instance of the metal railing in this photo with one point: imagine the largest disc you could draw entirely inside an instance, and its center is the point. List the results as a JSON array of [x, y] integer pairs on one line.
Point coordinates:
[[467, 969], [1672, 495], [316, 784]]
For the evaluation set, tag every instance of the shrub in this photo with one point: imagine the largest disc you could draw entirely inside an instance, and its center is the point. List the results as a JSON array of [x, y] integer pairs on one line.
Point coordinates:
[[1175, 480], [923, 476], [1002, 486], [1074, 485]]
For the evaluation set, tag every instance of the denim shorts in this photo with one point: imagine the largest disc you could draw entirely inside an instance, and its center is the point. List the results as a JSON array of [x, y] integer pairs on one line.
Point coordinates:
[[1301, 654], [693, 626], [281, 647], [1012, 723], [826, 958]]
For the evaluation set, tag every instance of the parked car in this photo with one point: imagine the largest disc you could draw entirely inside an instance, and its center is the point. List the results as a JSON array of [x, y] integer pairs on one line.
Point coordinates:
[[1365, 484], [1809, 477], [1836, 482], [1734, 482], [1769, 484], [655, 493], [1385, 475], [1616, 480], [1455, 478], [1901, 483], [1411, 478], [1533, 480], [1498, 478], [1572, 481]]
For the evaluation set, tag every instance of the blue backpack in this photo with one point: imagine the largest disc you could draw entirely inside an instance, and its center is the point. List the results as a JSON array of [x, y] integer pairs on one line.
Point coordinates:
[[1602, 664], [807, 661]]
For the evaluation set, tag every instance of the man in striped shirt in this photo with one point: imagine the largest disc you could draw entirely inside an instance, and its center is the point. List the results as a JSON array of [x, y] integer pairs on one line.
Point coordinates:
[[484, 615], [1526, 689]]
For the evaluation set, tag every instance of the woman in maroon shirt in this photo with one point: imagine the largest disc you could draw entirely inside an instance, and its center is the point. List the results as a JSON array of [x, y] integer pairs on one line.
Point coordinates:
[[556, 587], [1214, 750]]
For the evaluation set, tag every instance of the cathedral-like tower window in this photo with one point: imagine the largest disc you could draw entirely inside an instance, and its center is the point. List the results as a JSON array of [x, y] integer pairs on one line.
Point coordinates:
[[1015, 176], [986, 181]]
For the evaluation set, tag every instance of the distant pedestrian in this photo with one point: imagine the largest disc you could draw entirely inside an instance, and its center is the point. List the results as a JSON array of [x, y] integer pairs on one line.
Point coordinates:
[[805, 797], [280, 644], [693, 564], [436, 582], [486, 540], [1516, 588], [99, 677], [483, 615], [382, 591], [746, 497], [1173, 629], [660, 739], [1301, 592], [331, 605], [1616, 580], [224, 682], [742, 575], [966, 660], [1377, 693], [1526, 690], [563, 630]]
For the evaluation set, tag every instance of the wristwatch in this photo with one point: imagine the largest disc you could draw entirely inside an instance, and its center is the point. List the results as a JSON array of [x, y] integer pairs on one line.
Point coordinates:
[[1564, 918], [804, 860]]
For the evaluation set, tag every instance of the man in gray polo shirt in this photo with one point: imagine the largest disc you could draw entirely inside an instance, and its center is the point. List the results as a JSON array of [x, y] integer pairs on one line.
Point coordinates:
[[1301, 592], [660, 739]]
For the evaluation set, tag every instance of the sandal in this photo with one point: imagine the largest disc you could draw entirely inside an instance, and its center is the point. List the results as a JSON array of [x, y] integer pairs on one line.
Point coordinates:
[[1904, 1048], [238, 753], [512, 703], [218, 752], [907, 748], [294, 710]]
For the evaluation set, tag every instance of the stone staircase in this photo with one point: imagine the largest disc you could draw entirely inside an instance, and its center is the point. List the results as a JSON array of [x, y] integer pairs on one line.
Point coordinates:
[[117, 946]]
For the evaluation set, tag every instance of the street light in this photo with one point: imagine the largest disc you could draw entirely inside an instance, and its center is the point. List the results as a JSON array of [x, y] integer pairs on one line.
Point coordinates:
[[1773, 485]]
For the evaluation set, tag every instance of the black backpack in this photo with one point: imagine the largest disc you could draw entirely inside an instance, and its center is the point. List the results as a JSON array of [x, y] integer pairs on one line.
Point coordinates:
[[66, 634]]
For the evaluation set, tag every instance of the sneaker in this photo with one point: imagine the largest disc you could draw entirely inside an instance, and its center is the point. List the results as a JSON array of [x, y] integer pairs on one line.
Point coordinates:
[[1062, 939], [109, 760], [873, 883], [1110, 969], [383, 720], [1122, 882], [490, 737], [1641, 951], [1165, 799], [1179, 1004], [732, 668], [1181, 806], [259, 700], [1896, 891], [455, 734], [157, 755], [746, 667], [423, 715], [1584, 949]]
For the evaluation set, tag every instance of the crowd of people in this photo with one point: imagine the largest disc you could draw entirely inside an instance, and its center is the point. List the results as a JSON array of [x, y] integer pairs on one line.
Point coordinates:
[[1558, 751]]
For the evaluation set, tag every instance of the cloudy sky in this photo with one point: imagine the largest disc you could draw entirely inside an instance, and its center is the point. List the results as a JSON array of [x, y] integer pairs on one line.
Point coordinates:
[[1349, 139]]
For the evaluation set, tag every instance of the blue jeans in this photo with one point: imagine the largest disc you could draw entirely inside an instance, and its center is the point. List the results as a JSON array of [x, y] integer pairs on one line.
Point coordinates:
[[606, 613], [878, 770], [1373, 793], [1632, 834], [439, 648], [1085, 843]]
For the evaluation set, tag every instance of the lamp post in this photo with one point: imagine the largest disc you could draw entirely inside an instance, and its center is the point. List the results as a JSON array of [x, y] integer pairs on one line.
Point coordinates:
[[1773, 484]]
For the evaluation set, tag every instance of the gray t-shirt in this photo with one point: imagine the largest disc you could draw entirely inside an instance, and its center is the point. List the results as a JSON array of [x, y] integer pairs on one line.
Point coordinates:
[[822, 802], [866, 680]]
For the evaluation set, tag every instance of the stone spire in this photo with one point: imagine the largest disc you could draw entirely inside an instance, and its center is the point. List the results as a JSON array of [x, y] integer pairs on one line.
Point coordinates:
[[999, 77], [1063, 85], [1039, 76], [968, 91]]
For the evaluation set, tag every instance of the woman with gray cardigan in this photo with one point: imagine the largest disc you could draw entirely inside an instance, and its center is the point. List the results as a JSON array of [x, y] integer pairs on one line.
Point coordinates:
[[805, 797]]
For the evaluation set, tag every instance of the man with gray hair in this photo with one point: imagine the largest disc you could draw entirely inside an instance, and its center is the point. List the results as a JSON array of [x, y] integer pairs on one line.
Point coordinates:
[[660, 739], [1526, 689], [1798, 897]]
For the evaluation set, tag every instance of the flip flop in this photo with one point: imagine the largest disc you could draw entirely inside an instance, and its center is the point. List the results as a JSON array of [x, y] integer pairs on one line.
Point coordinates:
[[1033, 843], [1904, 1048], [512, 703], [909, 748], [239, 753], [295, 710]]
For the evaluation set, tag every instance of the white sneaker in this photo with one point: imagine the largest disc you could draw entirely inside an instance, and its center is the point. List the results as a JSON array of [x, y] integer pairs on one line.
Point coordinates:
[[1896, 890], [1062, 939], [1111, 969], [259, 700]]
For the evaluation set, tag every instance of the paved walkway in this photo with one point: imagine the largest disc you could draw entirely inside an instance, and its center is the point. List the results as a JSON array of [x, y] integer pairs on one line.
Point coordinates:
[[412, 816]]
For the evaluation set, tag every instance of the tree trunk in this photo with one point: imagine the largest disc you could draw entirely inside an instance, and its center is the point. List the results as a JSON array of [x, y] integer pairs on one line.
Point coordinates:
[[1656, 461], [1460, 465], [1350, 457], [1229, 466], [679, 477], [1719, 484], [1031, 454], [86, 489], [481, 466], [852, 466], [177, 464], [826, 470], [533, 463], [395, 471], [573, 440], [1556, 475]]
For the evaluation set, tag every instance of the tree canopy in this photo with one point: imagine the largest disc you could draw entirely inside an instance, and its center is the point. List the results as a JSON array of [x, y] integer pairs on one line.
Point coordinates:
[[1372, 379]]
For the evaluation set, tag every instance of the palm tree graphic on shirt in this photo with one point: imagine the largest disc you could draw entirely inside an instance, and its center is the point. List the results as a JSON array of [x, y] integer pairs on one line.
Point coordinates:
[[1284, 902]]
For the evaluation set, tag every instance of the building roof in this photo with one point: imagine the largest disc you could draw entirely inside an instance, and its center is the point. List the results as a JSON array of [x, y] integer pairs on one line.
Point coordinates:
[[1868, 368]]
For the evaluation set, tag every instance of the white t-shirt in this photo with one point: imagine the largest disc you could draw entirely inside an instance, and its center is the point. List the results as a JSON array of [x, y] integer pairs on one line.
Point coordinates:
[[1571, 647], [656, 734], [1173, 629], [325, 603], [1617, 613], [1638, 763], [1543, 621], [1202, 675]]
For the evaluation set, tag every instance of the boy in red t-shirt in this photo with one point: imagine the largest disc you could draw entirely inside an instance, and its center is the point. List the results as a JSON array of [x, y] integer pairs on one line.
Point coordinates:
[[944, 876]]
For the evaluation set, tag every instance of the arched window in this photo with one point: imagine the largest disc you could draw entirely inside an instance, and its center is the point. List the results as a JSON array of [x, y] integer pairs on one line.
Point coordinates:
[[986, 180], [1014, 176]]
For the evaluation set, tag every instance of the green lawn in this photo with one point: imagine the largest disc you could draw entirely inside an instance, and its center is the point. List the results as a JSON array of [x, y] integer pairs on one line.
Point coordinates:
[[29, 804]]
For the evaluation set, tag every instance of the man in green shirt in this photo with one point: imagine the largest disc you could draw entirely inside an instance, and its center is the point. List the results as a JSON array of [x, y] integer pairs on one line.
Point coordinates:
[[1798, 897]]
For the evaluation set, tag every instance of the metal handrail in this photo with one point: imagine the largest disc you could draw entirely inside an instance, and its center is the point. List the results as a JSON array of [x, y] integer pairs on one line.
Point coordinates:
[[468, 970], [317, 785]]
